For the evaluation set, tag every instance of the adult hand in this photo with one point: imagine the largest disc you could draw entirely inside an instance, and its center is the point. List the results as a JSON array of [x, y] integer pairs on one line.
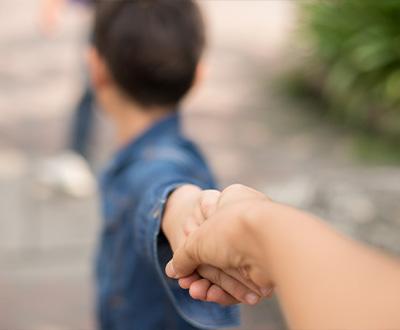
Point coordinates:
[[306, 259]]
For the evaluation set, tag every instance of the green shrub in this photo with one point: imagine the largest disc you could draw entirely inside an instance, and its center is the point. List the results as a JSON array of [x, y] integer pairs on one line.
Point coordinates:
[[356, 59]]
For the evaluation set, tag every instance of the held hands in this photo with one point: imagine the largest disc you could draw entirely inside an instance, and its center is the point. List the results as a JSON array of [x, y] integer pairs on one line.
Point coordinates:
[[187, 209], [210, 260]]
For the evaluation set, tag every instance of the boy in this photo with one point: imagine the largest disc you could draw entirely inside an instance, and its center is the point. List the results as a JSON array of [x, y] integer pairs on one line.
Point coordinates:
[[144, 61]]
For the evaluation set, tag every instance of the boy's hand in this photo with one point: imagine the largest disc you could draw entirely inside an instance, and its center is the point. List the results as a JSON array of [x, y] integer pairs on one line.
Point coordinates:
[[187, 208]]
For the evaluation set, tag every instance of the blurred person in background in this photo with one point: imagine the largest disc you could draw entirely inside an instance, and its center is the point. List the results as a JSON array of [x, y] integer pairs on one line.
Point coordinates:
[[69, 171]]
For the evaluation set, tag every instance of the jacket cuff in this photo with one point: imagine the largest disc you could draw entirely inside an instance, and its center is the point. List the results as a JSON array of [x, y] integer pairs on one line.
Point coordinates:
[[156, 248]]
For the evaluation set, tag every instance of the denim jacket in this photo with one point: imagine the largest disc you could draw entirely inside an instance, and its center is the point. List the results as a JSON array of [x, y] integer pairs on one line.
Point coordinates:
[[133, 291]]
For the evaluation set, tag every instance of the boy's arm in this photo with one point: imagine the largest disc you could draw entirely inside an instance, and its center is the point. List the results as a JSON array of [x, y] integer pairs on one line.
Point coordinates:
[[323, 279], [180, 205]]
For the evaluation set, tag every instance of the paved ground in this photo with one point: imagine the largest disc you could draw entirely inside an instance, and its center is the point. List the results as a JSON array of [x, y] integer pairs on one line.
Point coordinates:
[[250, 134]]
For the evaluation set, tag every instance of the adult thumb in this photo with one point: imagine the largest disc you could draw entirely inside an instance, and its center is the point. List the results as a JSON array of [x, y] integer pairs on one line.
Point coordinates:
[[185, 260]]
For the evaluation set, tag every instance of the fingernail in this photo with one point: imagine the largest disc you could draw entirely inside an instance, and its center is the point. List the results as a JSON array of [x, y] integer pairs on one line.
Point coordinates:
[[170, 270], [266, 291], [251, 298]]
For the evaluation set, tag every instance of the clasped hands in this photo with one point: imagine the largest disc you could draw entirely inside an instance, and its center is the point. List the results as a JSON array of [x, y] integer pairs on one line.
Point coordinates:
[[212, 257]]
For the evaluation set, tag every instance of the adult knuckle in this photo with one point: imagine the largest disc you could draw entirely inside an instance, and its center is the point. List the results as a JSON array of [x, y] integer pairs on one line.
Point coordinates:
[[205, 204], [210, 273], [239, 292], [235, 187], [218, 277], [208, 199]]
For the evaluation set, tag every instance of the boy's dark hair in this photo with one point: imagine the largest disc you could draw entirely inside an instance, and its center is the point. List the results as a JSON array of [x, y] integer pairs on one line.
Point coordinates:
[[152, 47]]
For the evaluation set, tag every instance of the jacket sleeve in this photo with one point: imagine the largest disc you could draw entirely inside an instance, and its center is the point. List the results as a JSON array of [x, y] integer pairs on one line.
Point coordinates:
[[155, 248]]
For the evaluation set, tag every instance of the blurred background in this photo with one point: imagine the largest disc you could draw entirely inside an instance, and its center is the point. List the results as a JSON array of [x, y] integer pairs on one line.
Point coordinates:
[[301, 100]]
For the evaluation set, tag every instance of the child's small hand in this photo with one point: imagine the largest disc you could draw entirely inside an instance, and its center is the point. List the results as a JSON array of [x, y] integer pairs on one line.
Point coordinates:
[[187, 208]]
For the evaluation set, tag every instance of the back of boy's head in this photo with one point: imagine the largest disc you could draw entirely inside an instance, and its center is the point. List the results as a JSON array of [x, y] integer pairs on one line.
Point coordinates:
[[151, 47]]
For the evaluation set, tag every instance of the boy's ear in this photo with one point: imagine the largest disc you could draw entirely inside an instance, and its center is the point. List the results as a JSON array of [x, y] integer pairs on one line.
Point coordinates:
[[200, 73], [99, 73]]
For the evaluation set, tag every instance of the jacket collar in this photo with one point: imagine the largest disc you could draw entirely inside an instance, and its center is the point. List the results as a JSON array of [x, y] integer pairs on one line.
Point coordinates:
[[169, 125]]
